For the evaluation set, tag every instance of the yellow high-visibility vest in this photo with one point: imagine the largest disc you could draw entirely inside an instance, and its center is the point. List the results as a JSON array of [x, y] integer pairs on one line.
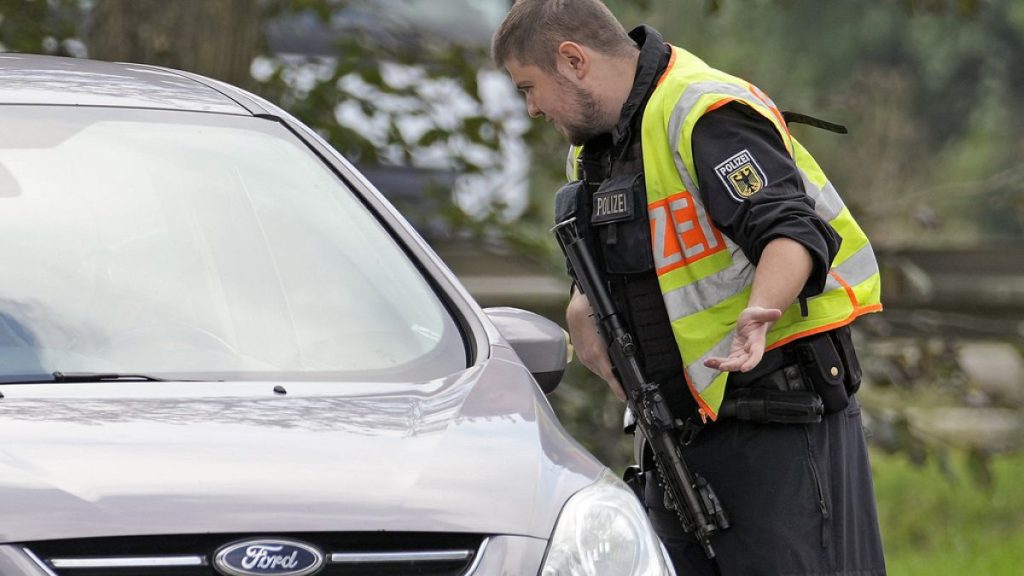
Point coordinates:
[[705, 279]]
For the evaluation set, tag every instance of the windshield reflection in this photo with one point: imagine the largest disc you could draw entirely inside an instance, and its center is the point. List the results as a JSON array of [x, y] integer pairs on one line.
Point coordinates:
[[54, 81], [187, 243]]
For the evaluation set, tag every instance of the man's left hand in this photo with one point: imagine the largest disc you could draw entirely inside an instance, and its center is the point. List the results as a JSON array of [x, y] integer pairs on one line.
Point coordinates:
[[748, 343]]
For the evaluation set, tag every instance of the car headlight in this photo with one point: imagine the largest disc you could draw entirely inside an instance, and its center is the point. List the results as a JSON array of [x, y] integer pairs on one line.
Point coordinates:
[[603, 531]]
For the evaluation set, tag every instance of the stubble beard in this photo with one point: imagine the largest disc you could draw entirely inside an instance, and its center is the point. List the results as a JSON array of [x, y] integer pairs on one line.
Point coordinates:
[[589, 122]]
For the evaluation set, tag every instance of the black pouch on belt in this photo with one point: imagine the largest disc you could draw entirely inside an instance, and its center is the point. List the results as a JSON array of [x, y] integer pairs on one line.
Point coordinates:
[[844, 342], [824, 370]]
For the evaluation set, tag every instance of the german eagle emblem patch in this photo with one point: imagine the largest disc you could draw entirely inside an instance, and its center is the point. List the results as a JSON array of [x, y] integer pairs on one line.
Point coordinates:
[[741, 175]]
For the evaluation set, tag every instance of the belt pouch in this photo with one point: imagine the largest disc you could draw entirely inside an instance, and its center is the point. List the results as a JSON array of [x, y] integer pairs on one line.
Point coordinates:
[[773, 406], [844, 343], [824, 369]]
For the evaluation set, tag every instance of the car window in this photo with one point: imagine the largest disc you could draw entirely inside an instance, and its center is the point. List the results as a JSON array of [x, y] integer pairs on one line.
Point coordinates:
[[200, 245]]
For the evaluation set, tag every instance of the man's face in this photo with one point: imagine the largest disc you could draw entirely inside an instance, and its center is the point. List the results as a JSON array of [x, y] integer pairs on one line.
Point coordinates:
[[569, 107]]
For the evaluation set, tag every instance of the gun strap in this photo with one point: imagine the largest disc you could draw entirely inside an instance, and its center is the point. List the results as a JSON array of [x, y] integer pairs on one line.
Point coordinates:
[[798, 118]]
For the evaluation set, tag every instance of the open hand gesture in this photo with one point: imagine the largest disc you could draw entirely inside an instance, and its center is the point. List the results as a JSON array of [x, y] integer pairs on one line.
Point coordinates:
[[748, 343]]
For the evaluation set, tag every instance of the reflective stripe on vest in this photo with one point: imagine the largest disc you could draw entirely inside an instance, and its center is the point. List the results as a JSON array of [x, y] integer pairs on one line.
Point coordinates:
[[704, 276]]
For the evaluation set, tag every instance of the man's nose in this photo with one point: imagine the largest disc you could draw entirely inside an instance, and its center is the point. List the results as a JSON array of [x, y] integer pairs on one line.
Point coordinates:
[[532, 109]]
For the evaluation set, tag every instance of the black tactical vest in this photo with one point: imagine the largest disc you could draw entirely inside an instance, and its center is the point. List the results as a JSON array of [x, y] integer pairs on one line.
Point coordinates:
[[611, 213]]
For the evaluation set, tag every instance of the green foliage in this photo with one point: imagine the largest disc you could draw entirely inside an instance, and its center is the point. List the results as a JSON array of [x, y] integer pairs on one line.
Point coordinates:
[[393, 95], [39, 26], [936, 521], [921, 84], [312, 88]]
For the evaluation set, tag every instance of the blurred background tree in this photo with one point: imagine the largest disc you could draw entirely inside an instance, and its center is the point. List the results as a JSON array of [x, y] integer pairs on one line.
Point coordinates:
[[933, 169]]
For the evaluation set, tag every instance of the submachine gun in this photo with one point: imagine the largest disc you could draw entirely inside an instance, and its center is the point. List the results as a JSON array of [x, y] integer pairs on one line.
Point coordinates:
[[688, 494]]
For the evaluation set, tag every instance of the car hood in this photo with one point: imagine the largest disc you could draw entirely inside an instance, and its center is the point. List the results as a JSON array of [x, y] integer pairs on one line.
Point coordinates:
[[478, 452]]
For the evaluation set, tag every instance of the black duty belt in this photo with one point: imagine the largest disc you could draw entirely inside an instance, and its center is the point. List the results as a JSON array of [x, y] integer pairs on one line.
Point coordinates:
[[779, 369], [774, 392], [781, 389]]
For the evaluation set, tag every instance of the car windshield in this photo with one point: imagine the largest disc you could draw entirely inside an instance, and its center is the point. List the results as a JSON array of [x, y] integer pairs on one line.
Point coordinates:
[[200, 246]]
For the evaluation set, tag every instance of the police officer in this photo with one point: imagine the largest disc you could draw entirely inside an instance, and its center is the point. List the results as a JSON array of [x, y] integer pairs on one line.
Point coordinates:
[[737, 267]]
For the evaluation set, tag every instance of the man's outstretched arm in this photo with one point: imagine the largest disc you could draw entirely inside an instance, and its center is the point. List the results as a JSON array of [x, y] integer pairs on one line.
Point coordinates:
[[781, 274]]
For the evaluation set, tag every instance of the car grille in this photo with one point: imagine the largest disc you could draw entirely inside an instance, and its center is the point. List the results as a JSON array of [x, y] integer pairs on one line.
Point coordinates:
[[345, 554]]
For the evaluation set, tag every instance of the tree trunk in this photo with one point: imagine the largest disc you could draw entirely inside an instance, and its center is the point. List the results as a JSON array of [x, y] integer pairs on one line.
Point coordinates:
[[216, 38]]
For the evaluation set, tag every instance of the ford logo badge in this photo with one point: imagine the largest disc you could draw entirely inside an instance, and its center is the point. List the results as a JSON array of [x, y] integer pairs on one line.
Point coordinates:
[[268, 557]]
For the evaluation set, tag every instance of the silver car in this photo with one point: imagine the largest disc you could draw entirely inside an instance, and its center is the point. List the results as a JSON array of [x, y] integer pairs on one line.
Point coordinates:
[[223, 352]]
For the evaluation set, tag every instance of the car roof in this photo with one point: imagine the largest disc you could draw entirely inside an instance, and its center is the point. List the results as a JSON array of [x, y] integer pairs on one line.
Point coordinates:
[[53, 80]]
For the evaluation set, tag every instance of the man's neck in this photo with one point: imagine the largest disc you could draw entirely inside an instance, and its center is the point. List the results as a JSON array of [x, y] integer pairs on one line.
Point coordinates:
[[615, 86]]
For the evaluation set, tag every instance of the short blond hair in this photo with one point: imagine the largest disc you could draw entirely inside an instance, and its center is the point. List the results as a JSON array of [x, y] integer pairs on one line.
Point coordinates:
[[533, 29]]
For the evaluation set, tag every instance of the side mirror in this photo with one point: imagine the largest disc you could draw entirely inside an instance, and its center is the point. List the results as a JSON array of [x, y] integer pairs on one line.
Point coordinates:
[[542, 345]]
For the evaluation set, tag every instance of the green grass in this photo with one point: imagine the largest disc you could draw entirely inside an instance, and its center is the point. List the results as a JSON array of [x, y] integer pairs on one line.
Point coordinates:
[[939, 520]]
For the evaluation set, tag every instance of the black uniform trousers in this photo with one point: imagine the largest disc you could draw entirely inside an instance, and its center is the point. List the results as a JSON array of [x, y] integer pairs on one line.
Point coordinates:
[[799, 497]]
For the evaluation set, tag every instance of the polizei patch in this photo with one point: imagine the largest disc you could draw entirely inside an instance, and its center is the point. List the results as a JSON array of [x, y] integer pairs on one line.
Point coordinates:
[[741, 175], [612, 206]]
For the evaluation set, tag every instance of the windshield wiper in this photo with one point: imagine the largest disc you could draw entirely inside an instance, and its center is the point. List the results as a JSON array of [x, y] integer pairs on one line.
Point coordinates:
[[71, 377], [59, 376]]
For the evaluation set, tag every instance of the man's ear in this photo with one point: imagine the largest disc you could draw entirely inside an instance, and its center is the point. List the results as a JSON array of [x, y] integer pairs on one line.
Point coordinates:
[[573, 60]]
